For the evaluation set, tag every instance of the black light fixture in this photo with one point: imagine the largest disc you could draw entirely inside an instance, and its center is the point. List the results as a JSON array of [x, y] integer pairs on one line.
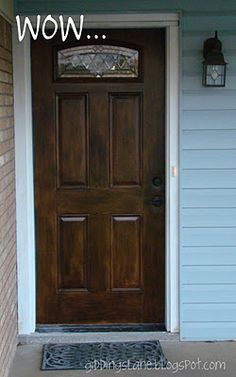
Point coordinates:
[[214, 65]]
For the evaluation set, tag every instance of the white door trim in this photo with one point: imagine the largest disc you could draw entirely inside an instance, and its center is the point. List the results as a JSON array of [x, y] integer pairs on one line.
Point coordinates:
[[24, 185], [24, 163]]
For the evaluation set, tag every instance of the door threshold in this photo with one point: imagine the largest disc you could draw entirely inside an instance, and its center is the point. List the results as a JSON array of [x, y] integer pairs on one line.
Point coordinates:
[[101, 337], [90, 328]]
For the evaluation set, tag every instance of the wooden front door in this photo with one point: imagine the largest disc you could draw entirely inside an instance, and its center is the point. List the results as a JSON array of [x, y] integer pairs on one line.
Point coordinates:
[[99, 153]]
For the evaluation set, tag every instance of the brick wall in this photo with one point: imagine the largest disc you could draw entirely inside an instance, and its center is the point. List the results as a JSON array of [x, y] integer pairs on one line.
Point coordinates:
[[8, 295]]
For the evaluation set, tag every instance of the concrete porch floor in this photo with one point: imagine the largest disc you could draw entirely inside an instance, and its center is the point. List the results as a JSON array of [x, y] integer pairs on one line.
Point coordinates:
[[28, 357]]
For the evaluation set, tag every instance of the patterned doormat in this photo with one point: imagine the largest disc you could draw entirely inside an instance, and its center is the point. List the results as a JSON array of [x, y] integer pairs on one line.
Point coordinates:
[[100, 356]]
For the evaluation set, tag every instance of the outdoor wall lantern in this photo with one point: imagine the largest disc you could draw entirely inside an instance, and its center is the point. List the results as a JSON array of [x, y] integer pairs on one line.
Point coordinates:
[[214, 65]]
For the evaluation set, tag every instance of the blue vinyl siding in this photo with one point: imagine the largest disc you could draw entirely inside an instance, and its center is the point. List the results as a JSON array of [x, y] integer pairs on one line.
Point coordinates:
[[208, 186], [207, 161], [192, 7]]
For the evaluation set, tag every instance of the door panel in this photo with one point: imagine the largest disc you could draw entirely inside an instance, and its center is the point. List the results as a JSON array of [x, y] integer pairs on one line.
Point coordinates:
[[73, 158], [126, 258], [73, 253], [98, 143], [126, 139]]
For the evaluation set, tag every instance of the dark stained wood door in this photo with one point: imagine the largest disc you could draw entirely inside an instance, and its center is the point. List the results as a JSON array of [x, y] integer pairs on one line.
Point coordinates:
[[100, 225]]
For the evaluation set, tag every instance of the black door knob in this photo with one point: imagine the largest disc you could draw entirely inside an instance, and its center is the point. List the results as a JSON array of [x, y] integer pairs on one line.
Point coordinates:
[[156, 181], [157, 202]]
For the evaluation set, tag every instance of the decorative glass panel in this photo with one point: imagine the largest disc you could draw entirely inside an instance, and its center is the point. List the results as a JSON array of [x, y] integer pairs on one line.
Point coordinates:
[[214, 75], [98, 61]]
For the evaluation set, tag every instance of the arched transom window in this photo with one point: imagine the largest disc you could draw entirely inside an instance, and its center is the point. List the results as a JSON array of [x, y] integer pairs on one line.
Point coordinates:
[[98, 61]]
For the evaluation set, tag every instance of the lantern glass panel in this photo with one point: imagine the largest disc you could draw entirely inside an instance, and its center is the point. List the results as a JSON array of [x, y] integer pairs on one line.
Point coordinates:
[[214, 75]]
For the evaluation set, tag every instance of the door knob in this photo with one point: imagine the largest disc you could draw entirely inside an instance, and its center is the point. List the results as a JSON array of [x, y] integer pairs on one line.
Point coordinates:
[[156, 181], [157, 202]]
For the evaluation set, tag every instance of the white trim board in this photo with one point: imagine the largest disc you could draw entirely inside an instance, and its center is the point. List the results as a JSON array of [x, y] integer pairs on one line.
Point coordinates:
[[24, 163], [24, 185]]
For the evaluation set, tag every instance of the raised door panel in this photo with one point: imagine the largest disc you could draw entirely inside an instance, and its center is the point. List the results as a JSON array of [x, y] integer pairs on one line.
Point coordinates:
[[73, 253], [126, 139], [72, 136], [126, 249]]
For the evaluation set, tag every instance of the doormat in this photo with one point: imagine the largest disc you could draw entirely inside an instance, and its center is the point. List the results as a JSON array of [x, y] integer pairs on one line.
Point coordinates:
[[100, 356]]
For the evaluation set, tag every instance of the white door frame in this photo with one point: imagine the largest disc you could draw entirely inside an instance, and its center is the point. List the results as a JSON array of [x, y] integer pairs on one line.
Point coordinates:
[[26, 257]]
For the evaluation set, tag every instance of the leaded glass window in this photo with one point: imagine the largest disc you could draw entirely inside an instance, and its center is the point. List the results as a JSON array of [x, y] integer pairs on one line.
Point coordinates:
[[98, 61]]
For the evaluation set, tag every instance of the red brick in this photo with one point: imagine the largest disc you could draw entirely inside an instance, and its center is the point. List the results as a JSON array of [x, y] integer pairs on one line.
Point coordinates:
[[8, 293]]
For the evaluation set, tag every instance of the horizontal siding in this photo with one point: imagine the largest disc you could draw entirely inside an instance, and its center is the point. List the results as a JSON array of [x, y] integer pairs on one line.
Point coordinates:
[[205, 293], [209, 159], [206, 256], [208, 23], [193, 41], [203, 100], [209, 178], [208, 187], [75, 6], [220, 312], [208, 198], [204, 120], [198, 275], [213, 217], [209, 139], [206, 236], [208, 330]]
